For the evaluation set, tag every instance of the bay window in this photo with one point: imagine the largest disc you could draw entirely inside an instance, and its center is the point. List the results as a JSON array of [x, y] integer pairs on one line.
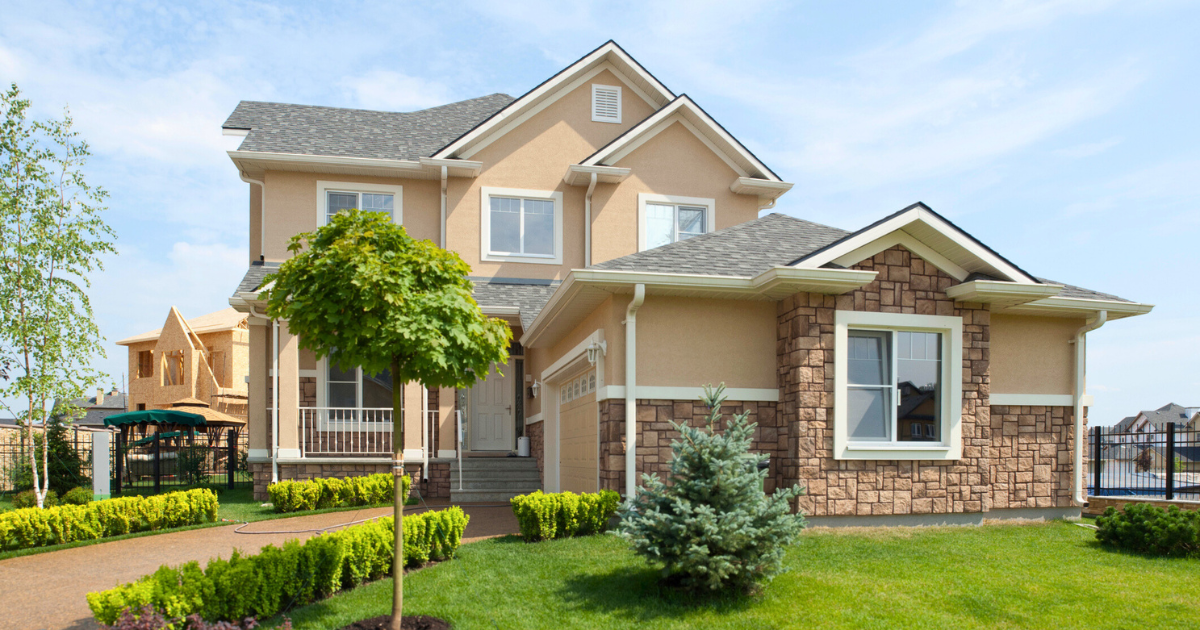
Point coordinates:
[[665, 219], [898, 386], [521, 225]]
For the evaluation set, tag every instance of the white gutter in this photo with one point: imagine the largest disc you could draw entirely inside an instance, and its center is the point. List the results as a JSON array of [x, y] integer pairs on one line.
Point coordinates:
[[262, 222], [639, 296], [445, 174], [587, 223], [1080, 491]]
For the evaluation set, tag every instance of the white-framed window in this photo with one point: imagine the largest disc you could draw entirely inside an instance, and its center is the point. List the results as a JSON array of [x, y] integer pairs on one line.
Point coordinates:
[[580, 386], [606, 103], [335, 197], [898, 386], [664, 219], [351, 394], [521, 225]]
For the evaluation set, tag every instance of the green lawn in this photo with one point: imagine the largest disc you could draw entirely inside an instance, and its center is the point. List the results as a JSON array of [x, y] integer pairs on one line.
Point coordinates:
[[1046, 575], [235, 506]]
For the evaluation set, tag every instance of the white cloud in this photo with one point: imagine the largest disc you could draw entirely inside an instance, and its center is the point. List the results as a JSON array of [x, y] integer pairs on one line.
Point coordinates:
[[393, 91], [1087, 149]]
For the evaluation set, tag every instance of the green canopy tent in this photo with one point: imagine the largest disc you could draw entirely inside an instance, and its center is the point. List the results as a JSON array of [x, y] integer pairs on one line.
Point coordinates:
[[170, 427], [154, 416]]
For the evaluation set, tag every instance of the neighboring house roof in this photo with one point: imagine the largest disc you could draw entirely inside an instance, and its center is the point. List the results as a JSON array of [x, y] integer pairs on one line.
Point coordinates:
[[1169, 413], [224, 319], [94, 414], [1124, 425], [746, 249], [335, 131]]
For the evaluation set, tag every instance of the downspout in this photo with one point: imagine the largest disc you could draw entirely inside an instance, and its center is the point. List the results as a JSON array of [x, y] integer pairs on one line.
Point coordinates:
[[587, 223], [262, 221], [1080, 383], [445, 174], [639, 296]]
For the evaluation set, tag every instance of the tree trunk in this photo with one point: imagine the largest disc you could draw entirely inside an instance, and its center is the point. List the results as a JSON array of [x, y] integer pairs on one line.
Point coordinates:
[[398, 476]]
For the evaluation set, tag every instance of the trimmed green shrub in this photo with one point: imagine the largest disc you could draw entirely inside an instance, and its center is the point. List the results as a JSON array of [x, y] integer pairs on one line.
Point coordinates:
[[712, 527], [564, 514], [278, 578], [77, 496], [1147, 528], [31, 527], [317, 494], [28, 499]]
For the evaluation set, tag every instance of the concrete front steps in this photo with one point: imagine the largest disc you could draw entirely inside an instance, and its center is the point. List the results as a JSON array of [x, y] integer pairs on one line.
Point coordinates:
[[493, 479]]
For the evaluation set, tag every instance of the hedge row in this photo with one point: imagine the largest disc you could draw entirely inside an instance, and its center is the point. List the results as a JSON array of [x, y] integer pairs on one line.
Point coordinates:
[[279, 578], [1147, 528], [33, 527], [547, 516], [316, 494]]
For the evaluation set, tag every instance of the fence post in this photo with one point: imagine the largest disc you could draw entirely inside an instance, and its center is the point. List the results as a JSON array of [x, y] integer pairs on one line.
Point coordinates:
[[120, 461], [1170, 461], [232, 457], [157, 461], [1098, 456]]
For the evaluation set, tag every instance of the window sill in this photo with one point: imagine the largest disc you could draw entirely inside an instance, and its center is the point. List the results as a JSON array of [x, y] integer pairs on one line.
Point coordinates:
[[517, 258], [898, 452]]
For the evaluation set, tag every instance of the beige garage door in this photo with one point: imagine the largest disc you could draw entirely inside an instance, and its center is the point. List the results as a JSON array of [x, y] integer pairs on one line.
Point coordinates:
[[578, 465]]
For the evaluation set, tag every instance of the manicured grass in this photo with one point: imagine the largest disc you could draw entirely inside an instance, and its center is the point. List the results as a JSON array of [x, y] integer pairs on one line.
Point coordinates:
[[236, 505], [1046, 575]]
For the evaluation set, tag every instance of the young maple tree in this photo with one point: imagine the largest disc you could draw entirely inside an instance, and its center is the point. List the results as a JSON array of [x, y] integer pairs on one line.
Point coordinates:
[[363, 289], [52, 238]]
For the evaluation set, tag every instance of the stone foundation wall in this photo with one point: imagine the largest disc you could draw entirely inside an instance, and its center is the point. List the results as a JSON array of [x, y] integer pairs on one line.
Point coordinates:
[[655, 433], [438, 485]]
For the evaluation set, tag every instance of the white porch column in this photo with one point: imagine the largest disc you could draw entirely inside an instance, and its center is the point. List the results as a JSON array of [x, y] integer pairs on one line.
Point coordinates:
[[447, 441], [289, 393], [412, 421]]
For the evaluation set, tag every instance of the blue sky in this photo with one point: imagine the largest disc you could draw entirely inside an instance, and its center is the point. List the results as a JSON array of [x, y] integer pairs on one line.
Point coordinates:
[[1062, 134]]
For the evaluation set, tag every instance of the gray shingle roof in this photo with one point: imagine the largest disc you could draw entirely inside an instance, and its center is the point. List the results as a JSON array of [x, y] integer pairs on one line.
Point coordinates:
[[1072, 291], [254, 276], [529, 297], [1168, 413], [747, 249], [94, 414], [314, 130]]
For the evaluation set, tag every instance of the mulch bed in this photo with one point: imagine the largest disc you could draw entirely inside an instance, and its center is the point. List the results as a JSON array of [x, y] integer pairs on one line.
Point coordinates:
[[417, 622]]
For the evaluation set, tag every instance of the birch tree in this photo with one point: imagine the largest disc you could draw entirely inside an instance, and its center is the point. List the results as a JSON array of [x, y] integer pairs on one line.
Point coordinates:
[[52, 237]]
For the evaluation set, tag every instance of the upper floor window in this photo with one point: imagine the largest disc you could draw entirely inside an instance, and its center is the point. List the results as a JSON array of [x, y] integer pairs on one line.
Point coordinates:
[[898, 388], [521, 225], [664, 219], [172, 372], [606, 103], [338, 197], [145, 368]]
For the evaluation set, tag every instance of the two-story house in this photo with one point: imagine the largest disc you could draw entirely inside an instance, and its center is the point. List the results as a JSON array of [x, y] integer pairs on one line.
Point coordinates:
[[901, 371]]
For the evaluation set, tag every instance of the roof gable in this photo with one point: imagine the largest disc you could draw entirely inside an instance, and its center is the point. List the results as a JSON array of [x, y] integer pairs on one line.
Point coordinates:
[[685, 111], [927, 234], [609, 56]]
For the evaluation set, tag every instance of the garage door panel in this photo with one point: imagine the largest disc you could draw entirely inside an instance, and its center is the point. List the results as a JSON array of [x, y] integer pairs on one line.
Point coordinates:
[[578, 443]]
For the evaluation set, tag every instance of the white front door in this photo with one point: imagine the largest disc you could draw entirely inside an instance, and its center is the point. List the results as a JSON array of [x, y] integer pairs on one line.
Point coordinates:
[[492, 423]]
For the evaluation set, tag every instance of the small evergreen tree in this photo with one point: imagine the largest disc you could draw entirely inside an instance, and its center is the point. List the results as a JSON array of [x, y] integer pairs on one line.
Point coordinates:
[[711, 525]]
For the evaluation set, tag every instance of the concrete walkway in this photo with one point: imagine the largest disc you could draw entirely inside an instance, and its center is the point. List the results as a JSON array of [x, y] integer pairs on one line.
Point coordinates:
[[48, 590]]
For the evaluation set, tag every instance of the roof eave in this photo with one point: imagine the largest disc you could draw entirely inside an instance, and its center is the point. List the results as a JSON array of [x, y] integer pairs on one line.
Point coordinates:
[[1080, 307], [423, 168], [1001, 293]]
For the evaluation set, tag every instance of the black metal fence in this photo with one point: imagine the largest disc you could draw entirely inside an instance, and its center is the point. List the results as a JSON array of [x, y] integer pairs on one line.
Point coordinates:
[[168, 459], [1160, 464], [14, 456]]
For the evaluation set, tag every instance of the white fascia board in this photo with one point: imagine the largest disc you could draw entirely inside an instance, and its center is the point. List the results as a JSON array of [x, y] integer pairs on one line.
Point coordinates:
[[1037, 400], [993, 291], [240, 133], [456, 167], [501, 311], [653, 392], [928, 218], [333, 160], [566, 75], [909, 242], [615, 150], [580, 175], [1083, 306], [764, 188], [573, 355]]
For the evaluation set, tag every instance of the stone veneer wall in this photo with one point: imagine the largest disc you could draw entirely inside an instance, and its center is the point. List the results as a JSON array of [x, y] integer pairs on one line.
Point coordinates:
[[1032, 449], [655, 433], [537, 446]]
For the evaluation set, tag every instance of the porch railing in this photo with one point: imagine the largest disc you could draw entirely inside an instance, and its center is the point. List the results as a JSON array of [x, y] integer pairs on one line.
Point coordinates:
[[340, 431]]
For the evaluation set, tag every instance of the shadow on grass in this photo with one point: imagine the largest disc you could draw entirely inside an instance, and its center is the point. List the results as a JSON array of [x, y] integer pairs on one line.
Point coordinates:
[[638, 593]]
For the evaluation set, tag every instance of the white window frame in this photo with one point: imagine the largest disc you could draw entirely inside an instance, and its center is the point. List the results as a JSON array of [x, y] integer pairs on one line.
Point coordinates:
[[326, 187], [323, 401], [596, 87], [485, 222], [710, 215], [951, 372]]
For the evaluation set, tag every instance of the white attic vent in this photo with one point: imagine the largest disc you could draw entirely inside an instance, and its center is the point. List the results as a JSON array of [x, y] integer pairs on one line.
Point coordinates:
[[606, 103]]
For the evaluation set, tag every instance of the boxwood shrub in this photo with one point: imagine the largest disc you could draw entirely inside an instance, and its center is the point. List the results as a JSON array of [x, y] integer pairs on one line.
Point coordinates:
[[279, 578], [1147, 528], [563, 514], [316, 494], [33, 527]]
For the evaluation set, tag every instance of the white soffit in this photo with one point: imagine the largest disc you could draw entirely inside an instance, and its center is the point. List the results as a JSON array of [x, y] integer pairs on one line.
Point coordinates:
[[1080, 307], [580, 175], [927, 235], [1001, 294], [609, 56], [686, 112], [425, 168]]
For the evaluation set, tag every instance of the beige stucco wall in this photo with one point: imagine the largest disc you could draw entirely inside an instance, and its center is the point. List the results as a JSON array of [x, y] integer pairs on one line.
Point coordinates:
[[293, 204], [255, 222], [674, 162], [1031, 355], [690, 342]]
